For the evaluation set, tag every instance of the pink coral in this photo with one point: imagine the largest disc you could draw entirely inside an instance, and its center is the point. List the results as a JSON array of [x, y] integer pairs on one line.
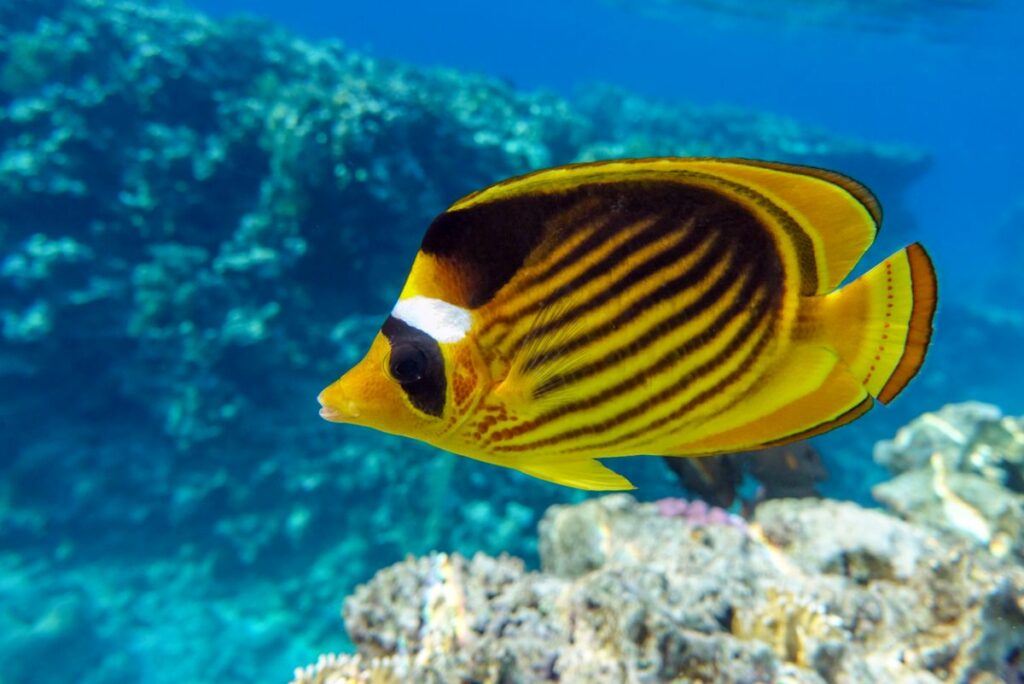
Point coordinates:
[[698, 513]]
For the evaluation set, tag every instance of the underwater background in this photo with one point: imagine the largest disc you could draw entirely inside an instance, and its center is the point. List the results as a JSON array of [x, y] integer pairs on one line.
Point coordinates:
[[204, 219]]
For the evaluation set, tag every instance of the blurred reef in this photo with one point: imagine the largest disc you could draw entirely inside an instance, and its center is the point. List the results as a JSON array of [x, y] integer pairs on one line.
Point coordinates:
[[807, 592], [201, 224]]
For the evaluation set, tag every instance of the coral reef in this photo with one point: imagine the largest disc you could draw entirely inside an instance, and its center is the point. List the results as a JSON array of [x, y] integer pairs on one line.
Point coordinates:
[[181, 192], [201, 223], [698, 512], [960, 469], [811, 592]]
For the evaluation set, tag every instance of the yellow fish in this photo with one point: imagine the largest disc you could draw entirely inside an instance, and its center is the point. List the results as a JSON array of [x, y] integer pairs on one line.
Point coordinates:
[[673, 306]]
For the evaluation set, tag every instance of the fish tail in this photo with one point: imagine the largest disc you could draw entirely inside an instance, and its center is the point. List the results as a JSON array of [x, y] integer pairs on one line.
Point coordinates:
[[881, 323]]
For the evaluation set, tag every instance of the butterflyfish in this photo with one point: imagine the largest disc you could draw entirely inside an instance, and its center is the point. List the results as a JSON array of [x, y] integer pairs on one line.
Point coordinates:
[[668, 306]]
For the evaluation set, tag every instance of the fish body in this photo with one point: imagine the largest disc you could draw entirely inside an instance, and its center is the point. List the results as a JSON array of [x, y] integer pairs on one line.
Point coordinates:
[[671, 306]]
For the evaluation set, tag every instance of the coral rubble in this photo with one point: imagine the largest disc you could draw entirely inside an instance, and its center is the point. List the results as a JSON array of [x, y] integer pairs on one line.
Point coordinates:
[[811, 592]]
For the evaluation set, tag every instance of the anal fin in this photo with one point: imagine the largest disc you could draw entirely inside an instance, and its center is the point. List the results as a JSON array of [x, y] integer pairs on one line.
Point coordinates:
[[587, 473]]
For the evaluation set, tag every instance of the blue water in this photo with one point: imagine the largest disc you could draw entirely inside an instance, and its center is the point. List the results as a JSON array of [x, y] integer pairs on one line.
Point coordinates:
[[958, 97], [171, 506]]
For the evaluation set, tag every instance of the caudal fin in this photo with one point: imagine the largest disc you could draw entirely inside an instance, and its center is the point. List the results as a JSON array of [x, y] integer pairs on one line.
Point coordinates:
[[881, 323]]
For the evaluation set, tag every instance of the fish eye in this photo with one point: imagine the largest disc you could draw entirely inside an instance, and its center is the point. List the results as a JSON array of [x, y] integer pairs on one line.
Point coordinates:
[[408, 363]]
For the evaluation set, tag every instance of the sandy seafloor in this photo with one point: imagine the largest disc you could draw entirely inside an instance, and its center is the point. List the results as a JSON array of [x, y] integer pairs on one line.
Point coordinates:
[[203, 220]]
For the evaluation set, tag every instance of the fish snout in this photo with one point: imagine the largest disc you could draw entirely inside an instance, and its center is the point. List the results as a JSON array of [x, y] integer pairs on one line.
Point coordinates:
[[336, 406]]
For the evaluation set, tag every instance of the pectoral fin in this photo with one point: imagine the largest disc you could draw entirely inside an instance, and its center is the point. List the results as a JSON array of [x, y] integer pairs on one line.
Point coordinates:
[[587, 474]]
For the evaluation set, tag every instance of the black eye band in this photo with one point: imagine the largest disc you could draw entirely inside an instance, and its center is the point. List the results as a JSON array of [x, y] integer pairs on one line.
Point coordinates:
[[416, 363]]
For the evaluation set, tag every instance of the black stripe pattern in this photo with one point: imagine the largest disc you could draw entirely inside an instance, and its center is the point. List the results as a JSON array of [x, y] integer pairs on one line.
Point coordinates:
[[735, 282]]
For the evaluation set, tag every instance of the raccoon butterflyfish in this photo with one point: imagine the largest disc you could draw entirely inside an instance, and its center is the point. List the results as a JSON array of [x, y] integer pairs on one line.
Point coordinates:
[[674, 307]]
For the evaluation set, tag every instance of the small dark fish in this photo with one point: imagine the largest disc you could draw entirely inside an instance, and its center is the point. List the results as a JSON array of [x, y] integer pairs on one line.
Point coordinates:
[[789, 471], [714, 479]]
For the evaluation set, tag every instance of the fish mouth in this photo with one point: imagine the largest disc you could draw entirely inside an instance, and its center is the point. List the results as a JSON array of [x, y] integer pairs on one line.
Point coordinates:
[[332, 413]]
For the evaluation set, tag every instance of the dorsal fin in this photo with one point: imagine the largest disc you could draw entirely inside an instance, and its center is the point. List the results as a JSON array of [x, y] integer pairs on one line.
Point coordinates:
[[840, 215], [829, 219]]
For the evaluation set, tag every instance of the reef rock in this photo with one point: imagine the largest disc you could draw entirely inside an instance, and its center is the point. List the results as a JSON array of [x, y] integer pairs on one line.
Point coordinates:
[[811, 591], [970, 437], [960, 469]]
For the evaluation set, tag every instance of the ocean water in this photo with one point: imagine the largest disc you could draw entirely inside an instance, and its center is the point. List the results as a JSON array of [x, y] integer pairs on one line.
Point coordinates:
[[204, 219]]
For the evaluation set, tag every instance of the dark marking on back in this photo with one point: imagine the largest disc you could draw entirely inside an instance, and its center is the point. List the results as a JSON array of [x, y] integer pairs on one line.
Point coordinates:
[[488, 243]]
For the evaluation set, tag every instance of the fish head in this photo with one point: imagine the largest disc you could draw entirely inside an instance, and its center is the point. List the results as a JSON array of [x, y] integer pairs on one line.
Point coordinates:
[[371, 395], [411, 382]]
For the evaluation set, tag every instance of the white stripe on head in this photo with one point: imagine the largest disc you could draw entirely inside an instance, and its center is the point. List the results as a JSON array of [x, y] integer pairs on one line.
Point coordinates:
[[443, 321]]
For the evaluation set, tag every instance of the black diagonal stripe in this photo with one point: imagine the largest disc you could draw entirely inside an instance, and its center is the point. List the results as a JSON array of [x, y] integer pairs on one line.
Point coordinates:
[[768, 301], [702, 398], [738, 229], [691, 278], [593, 241], [654, 264], [740, 303], [611, 226], [758, 316], [799, 238], [626, 202], [651, 233]]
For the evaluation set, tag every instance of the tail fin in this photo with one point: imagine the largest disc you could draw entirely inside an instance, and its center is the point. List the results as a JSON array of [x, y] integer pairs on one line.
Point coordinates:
[[881, 323]]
